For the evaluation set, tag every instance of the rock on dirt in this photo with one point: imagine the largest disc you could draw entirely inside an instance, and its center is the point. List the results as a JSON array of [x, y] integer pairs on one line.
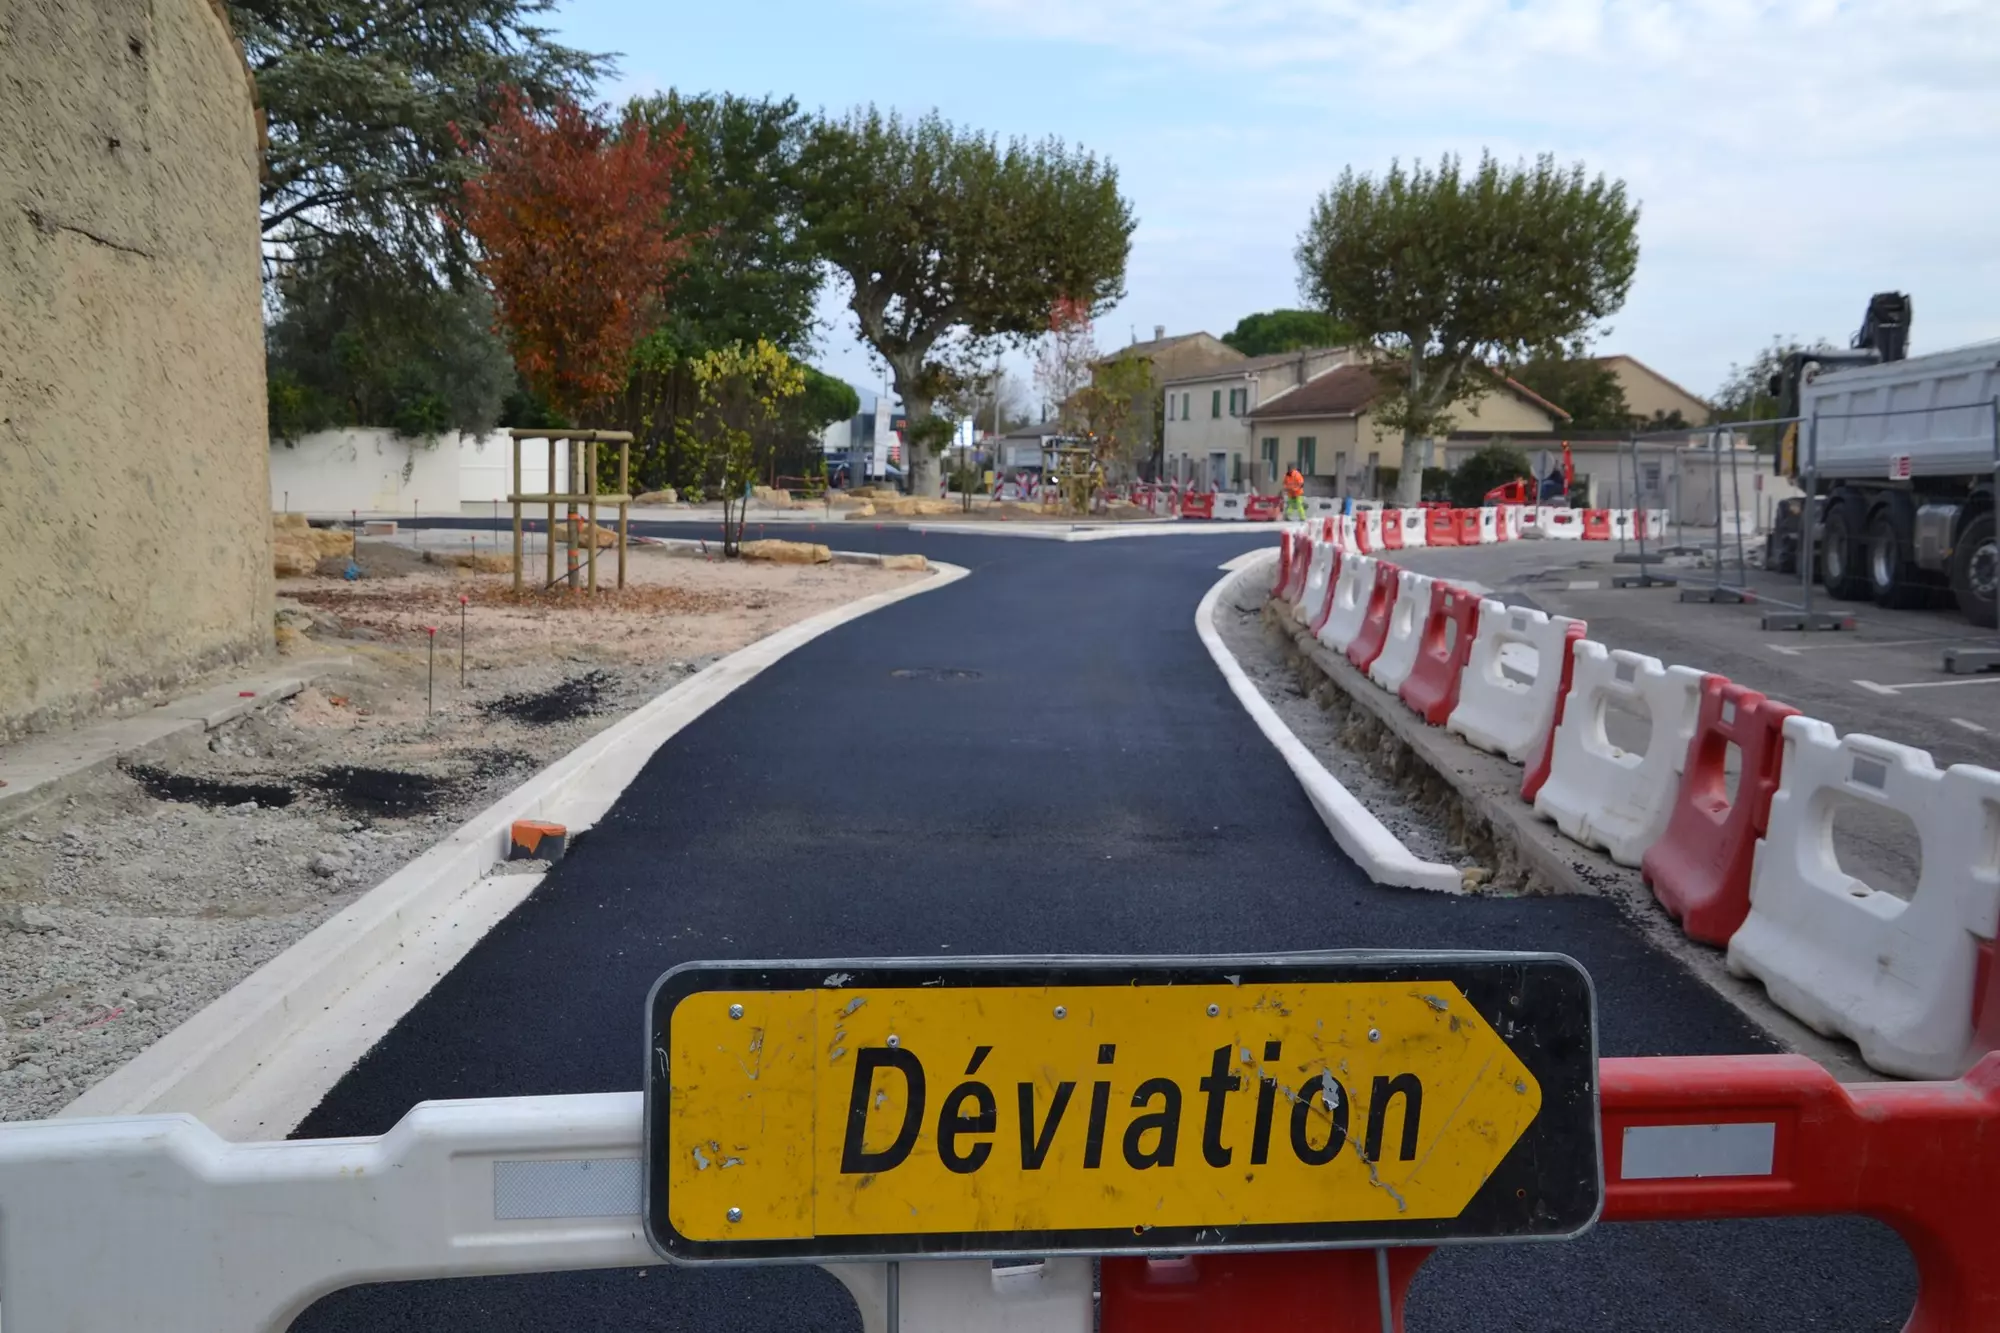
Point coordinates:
[[787, 553]]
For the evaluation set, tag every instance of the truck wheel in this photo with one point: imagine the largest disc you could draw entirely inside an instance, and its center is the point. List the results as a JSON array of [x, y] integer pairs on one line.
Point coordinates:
[[1973, 563], [1839, 567], [1891, 581]]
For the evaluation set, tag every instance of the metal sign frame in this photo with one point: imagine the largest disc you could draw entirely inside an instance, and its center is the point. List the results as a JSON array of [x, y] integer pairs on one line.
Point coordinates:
[[1549, 1185]]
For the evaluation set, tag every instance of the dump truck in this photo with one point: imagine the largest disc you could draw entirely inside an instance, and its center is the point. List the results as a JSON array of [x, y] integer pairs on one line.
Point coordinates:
[[1900, 459]]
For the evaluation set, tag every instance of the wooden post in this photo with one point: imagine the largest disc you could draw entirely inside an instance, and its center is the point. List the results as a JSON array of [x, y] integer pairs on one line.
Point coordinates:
[[515, 497], [550, 582], [624, 503], [590, 489]]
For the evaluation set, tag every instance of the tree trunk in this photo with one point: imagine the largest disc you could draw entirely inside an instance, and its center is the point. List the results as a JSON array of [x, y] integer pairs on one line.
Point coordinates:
[[920, 461], [1410, 478]]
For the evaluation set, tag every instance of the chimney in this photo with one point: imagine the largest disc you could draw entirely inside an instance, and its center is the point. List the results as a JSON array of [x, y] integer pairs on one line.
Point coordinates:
[[1159, 332]]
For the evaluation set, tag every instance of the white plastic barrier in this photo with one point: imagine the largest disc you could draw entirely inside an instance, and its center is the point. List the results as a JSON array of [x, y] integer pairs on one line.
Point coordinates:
[[1489, 525], [1414, 531], [1229, 505], [1497, 711], [1531, 521], [1655, 524], [1393, 664], [1371, 527], [1604, 796], [1322, 506], [1319, 573], [1348, 545], [1562, 525], [1621, 525], [155, 1223], [1897, 977], [1350, 602]]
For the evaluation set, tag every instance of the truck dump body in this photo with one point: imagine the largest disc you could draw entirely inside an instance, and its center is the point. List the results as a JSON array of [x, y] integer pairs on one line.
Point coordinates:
[[1945, 424]]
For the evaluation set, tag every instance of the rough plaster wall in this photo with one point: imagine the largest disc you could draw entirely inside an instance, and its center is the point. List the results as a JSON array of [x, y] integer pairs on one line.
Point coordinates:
[[134, 528]]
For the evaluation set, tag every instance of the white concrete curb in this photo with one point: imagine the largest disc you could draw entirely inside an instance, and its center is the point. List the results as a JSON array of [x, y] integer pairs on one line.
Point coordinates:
[[1379, 853], [259, 1058]]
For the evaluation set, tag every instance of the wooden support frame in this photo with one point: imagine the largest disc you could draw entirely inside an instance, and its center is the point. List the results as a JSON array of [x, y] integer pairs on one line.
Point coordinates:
[[579, 487]]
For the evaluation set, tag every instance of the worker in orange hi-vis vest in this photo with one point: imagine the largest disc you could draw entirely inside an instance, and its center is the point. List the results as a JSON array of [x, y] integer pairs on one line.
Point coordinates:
[[1295, 493]]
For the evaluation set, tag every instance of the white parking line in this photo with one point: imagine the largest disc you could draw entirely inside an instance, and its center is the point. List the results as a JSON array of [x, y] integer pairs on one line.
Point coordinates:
[[1927, 684], [1794, 651], [1973, 727]]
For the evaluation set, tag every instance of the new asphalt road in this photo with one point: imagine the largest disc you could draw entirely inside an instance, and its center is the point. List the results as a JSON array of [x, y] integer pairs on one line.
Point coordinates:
[[1038, 759]]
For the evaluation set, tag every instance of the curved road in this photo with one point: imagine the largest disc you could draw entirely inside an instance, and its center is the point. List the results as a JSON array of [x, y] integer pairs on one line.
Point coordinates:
[[1040, 758]]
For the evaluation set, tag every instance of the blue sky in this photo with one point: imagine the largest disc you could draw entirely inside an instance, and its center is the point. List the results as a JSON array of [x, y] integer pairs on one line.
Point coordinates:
[[1790, 158]]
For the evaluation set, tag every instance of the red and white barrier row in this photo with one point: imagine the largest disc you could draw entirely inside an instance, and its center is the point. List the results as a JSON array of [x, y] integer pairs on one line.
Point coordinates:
[[1908, 980], [1373, 528]]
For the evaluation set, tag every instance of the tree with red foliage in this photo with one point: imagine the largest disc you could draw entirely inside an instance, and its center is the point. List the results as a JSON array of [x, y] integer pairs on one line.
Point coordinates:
[[571, 223]]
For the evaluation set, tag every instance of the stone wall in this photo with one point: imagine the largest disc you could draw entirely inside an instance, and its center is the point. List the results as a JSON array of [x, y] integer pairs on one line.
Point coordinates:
[[134, 527]]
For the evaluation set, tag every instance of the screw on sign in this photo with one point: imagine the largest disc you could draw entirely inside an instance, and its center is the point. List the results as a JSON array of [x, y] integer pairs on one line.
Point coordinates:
[[888, 1110]]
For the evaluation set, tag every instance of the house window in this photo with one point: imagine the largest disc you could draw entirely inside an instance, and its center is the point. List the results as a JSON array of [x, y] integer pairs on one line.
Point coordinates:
[[1170, 407], [1215, 404], [1308, 453], [1239, 402], [1185, 413], [1270, 446]]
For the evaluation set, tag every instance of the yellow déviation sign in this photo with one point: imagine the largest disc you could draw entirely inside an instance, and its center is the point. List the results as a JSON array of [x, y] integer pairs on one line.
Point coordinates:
[[905, 1110]]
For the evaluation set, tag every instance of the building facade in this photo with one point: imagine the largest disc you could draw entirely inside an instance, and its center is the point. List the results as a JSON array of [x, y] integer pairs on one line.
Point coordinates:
[[1207, 439]]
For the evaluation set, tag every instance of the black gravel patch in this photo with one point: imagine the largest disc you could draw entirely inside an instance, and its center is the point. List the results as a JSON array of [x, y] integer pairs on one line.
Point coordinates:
[[934, 673], [579, 696], [380, 791], [213, 792]]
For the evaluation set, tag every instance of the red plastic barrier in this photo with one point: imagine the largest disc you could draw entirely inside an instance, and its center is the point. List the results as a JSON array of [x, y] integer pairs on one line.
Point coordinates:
[[1392, 529], [1367, 643], [1440, 527], [1538, 770], [1284, 562], [1263, 508], [1917, 1156], [1294, 586], [1325, 608], [1328, 530], [1198, 504], [1468, 526], [1432, 688], [1597, 525], [1700, 867], [1361, 542]]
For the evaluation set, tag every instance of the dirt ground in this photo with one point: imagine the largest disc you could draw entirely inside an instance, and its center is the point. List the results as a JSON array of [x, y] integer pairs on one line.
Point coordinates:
[[135, 902]]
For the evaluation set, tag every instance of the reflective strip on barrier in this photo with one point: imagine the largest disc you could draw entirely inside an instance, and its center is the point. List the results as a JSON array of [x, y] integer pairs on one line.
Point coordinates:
[[1350, 602], [1562, 525], [1689, 1138], [1700, 868], [1897, 977], [1597, 793], [1368, 640], [1412, 521], [1431, 689], [1406, 632], [1497, 710]]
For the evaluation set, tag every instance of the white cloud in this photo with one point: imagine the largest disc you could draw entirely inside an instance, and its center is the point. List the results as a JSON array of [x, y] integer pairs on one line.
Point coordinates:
[[1790, 157]]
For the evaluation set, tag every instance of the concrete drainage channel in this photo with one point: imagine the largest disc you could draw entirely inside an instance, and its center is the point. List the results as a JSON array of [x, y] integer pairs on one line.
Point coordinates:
[[1447, 800]]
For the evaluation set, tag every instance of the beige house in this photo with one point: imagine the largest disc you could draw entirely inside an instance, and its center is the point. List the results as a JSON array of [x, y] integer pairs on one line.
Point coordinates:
[[1325, 429], [1207, 439], [1650, 395], [1182, 355]]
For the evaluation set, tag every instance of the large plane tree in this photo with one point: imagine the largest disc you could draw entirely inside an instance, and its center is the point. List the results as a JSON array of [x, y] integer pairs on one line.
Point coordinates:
[[1448, 274], [950, 240]]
